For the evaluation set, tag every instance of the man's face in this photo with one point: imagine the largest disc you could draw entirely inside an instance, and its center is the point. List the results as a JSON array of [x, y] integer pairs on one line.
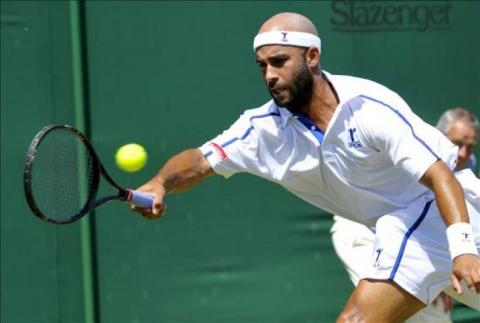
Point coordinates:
[[462, 134], [286, 74]]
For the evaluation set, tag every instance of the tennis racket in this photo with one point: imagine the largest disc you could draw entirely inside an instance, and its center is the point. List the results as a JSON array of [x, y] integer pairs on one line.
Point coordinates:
[[62, 174]]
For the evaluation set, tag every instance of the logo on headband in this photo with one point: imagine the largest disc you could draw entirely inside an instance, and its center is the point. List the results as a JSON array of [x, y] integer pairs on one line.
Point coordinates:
[[284, 36]]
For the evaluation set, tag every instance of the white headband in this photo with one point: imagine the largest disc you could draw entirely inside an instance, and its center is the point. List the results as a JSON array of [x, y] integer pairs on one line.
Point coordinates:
[[289, 38]]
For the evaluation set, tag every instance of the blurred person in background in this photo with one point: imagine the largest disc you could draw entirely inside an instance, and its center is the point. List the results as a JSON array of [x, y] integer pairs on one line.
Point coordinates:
[[463, 129], [354, 242]]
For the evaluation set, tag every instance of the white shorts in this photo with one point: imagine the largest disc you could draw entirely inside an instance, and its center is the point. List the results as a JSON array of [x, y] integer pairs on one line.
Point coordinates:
[[410, 246], [411, 249], [354, 245]]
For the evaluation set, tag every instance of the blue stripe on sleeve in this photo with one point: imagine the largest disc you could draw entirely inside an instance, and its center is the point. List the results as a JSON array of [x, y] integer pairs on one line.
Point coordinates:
[[401, 116], [245, 135], [247, 132], [265, 115], [225, 144]]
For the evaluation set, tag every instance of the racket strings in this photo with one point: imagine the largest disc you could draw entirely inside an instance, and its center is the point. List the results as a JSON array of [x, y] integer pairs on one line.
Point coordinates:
[[63, 175]]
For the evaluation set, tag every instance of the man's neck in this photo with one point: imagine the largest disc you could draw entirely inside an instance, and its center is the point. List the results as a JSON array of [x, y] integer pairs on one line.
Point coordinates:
[[323, 104]]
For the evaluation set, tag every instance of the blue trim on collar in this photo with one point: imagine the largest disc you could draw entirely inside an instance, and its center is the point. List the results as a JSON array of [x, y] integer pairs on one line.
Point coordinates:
[[316, 131]]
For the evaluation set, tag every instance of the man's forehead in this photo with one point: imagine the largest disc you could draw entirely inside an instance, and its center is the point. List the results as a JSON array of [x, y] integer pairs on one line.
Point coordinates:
[[463, 126], [464, 132]]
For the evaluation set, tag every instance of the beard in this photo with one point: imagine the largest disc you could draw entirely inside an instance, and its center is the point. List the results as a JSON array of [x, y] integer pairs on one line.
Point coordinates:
[[298, 93]]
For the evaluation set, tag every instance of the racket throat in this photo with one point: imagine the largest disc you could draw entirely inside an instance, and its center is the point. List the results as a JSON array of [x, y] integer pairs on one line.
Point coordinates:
[[124, 195]]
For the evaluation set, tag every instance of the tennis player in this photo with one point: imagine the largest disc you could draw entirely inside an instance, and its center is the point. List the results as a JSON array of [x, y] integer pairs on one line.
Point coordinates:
[[353, 147], [354, 242]]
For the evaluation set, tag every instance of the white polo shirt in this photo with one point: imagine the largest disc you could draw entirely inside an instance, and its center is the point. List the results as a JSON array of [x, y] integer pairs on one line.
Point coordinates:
[[366, 164]]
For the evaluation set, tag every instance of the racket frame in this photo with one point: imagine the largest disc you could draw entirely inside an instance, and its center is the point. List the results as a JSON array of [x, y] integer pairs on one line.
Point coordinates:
[[98, 170]]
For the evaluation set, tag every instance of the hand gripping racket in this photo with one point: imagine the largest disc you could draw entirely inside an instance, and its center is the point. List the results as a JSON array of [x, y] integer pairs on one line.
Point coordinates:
[[61, 177]]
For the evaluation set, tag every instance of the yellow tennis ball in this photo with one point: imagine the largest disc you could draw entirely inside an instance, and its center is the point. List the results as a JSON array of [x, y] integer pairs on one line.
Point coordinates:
[[131, 157]]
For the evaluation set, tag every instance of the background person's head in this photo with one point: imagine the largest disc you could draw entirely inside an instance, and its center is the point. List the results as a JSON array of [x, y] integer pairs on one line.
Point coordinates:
[[463, 129]]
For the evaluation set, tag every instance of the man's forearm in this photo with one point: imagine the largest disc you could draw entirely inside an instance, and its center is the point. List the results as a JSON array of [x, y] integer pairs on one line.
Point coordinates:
[[184, 170], [448, 193], [451, 204]]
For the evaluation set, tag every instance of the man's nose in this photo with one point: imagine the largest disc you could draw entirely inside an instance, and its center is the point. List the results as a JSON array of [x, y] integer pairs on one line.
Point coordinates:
[[463, 152], [271, 76]]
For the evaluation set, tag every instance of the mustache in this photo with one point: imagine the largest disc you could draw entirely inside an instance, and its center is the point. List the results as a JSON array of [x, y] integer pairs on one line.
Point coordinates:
[[276, 88]]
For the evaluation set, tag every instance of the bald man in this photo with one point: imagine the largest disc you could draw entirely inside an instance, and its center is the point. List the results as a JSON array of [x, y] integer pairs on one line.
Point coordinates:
[[353, 147]]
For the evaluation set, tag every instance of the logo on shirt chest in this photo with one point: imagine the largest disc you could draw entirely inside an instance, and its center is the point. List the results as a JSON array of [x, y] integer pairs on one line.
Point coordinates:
[[352, 142]]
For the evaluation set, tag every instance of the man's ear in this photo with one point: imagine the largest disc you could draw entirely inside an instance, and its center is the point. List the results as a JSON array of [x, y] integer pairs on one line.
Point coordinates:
[[312, 57]]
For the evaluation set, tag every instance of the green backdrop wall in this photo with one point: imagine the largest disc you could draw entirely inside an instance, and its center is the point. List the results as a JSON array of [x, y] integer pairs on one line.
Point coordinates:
[[171, 75]]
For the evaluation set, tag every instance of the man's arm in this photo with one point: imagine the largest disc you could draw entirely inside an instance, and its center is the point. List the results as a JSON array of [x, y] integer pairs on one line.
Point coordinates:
[[448, 193], [180, 173], [451, 204]]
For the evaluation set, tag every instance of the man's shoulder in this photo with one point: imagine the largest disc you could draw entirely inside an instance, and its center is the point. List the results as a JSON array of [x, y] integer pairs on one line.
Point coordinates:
[[353, 86], [368, 96], [267, 108], [267, 115], [369, 103]]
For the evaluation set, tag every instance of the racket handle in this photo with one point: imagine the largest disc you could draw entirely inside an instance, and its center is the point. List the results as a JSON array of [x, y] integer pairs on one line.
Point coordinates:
[[140, 199]]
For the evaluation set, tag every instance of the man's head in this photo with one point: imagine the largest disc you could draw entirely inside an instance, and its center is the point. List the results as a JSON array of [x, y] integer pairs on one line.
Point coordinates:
[[287, 50], [462, 128]]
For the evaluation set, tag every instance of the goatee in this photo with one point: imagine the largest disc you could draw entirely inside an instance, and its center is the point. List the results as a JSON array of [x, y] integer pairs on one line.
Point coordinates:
[[300, 91]]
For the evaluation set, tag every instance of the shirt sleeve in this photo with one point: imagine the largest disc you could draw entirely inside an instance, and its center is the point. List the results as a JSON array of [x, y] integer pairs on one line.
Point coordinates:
[[235, 150], [407, 140]]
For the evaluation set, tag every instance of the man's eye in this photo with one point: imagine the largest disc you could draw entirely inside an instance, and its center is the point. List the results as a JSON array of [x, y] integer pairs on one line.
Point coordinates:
[[277, 62]]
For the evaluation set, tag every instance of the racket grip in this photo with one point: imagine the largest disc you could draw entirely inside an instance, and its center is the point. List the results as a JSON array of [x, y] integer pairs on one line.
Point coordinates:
[[140, 199]]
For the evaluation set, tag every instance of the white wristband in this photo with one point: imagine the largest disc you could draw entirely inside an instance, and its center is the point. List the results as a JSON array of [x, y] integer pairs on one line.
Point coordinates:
[[460, 239]]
